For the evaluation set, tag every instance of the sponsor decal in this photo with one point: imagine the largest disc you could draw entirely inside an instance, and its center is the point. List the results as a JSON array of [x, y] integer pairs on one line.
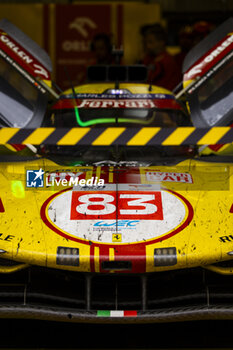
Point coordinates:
[[75, 46], [11, 46], [226, 239], [22, 71], [73, 39], [157, 176], [140, 186], [208, 60], [141, 217], [81, 24], [116, 237], [16, 49], [113, 102], [5, 237], [40, 71], [128, 96], [116, 104], [122, 224]]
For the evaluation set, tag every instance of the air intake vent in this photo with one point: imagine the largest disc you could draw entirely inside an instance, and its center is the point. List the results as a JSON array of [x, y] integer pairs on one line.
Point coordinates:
[[116, 265]]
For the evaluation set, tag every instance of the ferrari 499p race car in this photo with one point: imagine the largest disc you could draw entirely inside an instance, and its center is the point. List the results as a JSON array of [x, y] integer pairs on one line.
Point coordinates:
[[114, 207]]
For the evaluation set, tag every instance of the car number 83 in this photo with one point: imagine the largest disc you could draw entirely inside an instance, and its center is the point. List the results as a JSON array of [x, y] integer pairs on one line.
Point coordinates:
[[109, 205]]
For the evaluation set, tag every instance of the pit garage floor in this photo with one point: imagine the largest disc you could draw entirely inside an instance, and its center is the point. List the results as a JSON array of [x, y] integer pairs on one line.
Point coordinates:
[[18, 334]]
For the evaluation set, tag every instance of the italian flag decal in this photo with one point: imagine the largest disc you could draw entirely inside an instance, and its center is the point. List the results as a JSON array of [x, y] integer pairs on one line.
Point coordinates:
[[116, 313]]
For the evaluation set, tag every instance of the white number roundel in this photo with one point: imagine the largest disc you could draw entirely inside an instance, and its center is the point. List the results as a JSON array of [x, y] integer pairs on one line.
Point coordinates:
[[138, 216]]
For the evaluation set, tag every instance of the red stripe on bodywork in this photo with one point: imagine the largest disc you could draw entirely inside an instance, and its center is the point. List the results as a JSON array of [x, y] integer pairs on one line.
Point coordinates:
[[136, 254], [204, 64], [18, 147], [68, 103], [18, 54], [2, 210], [231, 209], [130, 313]]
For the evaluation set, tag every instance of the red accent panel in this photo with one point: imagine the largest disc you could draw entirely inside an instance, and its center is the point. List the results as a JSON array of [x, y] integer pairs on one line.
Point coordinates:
[[67, 103], [231, 209], [103, 256], [2, 210], [215, 148], [131, 205], [22, 57], [106, 200], [146, 204], [134, 253], [210, 59], [130, 313], [18, 147]]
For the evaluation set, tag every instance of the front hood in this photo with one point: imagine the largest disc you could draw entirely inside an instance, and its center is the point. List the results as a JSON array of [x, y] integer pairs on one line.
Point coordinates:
[[143, 219]]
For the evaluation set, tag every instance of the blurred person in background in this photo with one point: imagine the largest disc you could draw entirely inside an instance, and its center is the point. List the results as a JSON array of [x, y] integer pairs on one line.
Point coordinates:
[[185, 43], [200, 30], [101, 47], [189, 36], [162, 68]]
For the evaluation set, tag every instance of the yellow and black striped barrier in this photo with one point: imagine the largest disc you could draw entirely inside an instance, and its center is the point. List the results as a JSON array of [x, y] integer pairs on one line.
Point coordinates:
[[106, 136]]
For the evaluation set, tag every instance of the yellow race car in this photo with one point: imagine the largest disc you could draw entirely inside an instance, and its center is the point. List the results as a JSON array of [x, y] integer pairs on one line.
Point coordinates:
[[101, 229]]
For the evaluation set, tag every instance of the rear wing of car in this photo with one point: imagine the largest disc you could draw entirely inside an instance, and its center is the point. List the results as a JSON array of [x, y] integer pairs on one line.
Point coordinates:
[[22, 63]]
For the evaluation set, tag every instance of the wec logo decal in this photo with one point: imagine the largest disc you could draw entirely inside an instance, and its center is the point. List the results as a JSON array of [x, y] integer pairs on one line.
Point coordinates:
[[117, 224]]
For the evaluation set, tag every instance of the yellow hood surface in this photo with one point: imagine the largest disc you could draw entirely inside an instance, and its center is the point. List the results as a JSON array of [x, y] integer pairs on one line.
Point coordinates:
[[143, 219]]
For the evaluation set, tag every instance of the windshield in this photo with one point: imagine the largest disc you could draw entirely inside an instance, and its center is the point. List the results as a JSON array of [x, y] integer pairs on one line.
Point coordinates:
[[112, 117], [215, 96], [109, 155], [116, 155], [86, 117], [22, 102]]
